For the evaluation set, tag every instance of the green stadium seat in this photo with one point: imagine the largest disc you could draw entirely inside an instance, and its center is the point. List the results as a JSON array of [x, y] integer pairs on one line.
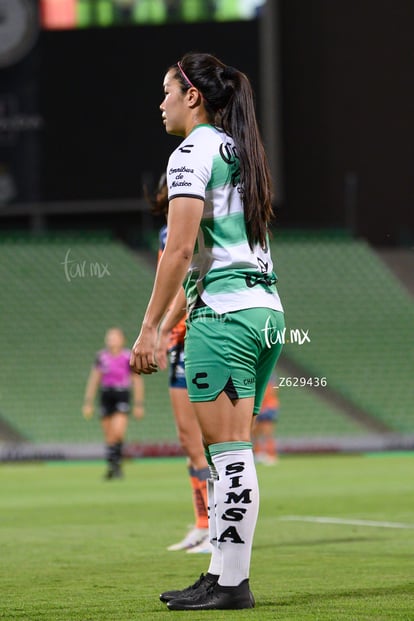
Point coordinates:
[[360, 319], [53, 319]]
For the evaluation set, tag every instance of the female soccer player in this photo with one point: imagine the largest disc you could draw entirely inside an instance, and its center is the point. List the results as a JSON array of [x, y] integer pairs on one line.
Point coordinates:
[[217, 242], [112, 373]]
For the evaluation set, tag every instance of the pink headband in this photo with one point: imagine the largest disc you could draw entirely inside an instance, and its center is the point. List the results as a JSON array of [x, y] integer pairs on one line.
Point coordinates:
[[185, 75]]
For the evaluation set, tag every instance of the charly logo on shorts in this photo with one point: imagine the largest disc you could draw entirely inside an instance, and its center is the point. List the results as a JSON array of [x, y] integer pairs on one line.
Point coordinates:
[[199, 376], [273, 335]]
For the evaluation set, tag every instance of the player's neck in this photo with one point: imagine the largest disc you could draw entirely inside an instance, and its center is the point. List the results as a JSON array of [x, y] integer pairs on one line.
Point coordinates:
[[115, 350]]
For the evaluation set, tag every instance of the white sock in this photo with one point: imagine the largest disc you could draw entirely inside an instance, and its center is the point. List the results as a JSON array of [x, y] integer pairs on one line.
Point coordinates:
[[215, 560], [236, 496]]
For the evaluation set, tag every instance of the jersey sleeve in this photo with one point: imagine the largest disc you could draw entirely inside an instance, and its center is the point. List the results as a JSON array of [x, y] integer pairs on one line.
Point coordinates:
[[189, 169]]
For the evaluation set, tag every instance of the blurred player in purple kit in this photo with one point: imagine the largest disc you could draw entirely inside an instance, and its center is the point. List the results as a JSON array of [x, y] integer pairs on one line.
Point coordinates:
[[112, 374]]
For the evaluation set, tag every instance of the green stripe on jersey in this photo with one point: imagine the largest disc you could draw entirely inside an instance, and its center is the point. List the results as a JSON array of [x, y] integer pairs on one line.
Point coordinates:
[[224, 231], [221, 173]]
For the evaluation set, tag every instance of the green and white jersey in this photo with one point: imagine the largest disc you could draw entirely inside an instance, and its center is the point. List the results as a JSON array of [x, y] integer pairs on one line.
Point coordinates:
[[225, 272]]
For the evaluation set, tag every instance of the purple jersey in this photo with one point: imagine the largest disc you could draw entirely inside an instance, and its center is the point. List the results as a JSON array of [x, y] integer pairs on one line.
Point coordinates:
[[115, 369]]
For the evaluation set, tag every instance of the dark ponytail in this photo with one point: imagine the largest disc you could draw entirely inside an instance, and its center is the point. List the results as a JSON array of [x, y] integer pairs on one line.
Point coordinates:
[[228, 99]]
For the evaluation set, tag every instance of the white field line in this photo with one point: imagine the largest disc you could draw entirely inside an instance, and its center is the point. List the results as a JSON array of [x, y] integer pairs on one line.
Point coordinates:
[[332, 520]]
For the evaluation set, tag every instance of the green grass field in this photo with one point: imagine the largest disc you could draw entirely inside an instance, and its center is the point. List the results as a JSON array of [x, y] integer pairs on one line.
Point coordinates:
[[77, 548]]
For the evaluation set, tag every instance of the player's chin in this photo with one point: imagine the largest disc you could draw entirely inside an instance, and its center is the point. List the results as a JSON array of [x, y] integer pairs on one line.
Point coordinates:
[[172, 129]]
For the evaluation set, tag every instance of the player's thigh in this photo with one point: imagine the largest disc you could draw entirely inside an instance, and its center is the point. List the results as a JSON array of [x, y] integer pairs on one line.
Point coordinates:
[[224, 420], [106, 426], [184, 413], [119, 423]]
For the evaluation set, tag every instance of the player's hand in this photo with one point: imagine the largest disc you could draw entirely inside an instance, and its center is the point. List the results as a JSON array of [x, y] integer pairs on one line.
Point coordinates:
[[161, 350], [87, 411], [142, 359]]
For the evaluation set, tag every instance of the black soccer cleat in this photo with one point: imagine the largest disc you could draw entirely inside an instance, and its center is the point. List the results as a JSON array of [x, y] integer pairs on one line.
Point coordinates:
[[216, 597], [199, 586], [114, 472]]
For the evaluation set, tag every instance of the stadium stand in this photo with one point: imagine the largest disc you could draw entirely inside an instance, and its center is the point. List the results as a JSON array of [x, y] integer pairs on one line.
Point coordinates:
[[60, 294], [360, 320]]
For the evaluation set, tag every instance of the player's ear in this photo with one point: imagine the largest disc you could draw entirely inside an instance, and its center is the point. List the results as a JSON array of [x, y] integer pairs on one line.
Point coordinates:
[[194, 96]]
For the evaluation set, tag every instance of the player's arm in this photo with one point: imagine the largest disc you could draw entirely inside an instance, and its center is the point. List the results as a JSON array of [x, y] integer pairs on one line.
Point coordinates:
[[175, 313], [138, 393], [184, 218], [92, 386]]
